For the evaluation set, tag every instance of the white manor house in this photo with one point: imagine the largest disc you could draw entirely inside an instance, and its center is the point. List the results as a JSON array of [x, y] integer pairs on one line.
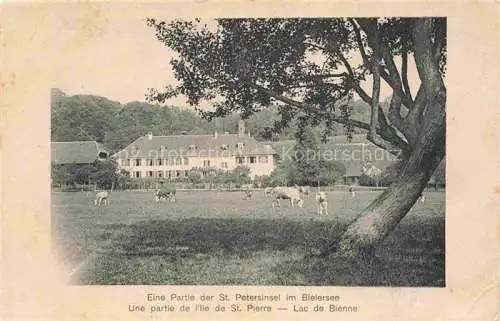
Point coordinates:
[[172, 157]]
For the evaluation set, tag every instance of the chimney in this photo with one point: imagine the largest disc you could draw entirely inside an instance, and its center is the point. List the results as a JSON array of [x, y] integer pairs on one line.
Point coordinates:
[[150, 136], [241, 128]]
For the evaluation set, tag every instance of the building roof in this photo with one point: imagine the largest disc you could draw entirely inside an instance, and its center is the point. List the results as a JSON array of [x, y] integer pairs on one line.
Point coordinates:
[[194, 145], [80, 152], [353, 154]]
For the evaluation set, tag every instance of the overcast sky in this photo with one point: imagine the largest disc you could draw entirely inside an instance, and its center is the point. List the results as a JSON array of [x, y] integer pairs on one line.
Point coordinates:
[[120, 61], [118, 58]]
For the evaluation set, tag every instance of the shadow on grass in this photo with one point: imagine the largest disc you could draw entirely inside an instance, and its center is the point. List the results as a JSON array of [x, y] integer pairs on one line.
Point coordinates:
[[232, 236], [413, 255], [260, 252]]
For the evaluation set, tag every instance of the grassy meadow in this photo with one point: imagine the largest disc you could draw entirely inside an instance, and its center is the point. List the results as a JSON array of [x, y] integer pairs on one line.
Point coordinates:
[[218, 238]]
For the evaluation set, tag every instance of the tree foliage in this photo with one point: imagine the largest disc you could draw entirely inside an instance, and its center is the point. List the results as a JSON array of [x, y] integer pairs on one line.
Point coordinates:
[[101, 174], [306, 156]]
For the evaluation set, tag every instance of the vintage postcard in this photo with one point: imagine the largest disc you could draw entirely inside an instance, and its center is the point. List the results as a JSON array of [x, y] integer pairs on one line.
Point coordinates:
[[242, 160]]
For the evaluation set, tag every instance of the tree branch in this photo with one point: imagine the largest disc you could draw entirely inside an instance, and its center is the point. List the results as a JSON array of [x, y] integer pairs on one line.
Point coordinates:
[[346, 65], [413, 121], [392, 78], [420, 100], [390, 141], [357, 34], [375, 88], [362, 94], [309, 108], [394, 113], [427, 67], [315, 46], [388, 133], [385, 130], [323, 76], [404, 71], [397, 121], [387, 145], [432, 94]]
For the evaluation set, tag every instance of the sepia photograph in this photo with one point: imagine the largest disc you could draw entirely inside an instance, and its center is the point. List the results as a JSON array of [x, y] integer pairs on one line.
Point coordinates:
[[254, 151], [231, 160]]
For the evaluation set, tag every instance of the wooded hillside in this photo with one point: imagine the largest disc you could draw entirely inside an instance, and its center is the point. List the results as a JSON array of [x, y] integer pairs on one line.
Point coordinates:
[[89, 117]]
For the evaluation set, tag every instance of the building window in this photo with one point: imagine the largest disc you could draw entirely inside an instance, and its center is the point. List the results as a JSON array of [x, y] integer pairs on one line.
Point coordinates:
[[150, 173], [223, 165], [159, 162], [240, 160], [138, 162], [177, 173], [137, 174], [263, 159], [186, 161], [240, 145], [160, 174], [206, 163], [251, 159], [169, 174], [150, 162]]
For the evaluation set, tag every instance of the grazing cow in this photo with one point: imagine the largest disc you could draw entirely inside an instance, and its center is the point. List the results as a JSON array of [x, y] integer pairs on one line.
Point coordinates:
[[288, 193], [248, 195], [166, 193], [304, 191], [101, 198], [322, 203], [268, 191]]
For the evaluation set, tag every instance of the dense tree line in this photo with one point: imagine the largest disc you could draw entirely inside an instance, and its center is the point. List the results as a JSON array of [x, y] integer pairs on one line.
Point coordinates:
[[101, 175], [89, 117]]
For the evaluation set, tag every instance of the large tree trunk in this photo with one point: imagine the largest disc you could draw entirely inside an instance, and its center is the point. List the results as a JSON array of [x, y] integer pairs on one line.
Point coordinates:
[[373, 225], [380, 218]]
